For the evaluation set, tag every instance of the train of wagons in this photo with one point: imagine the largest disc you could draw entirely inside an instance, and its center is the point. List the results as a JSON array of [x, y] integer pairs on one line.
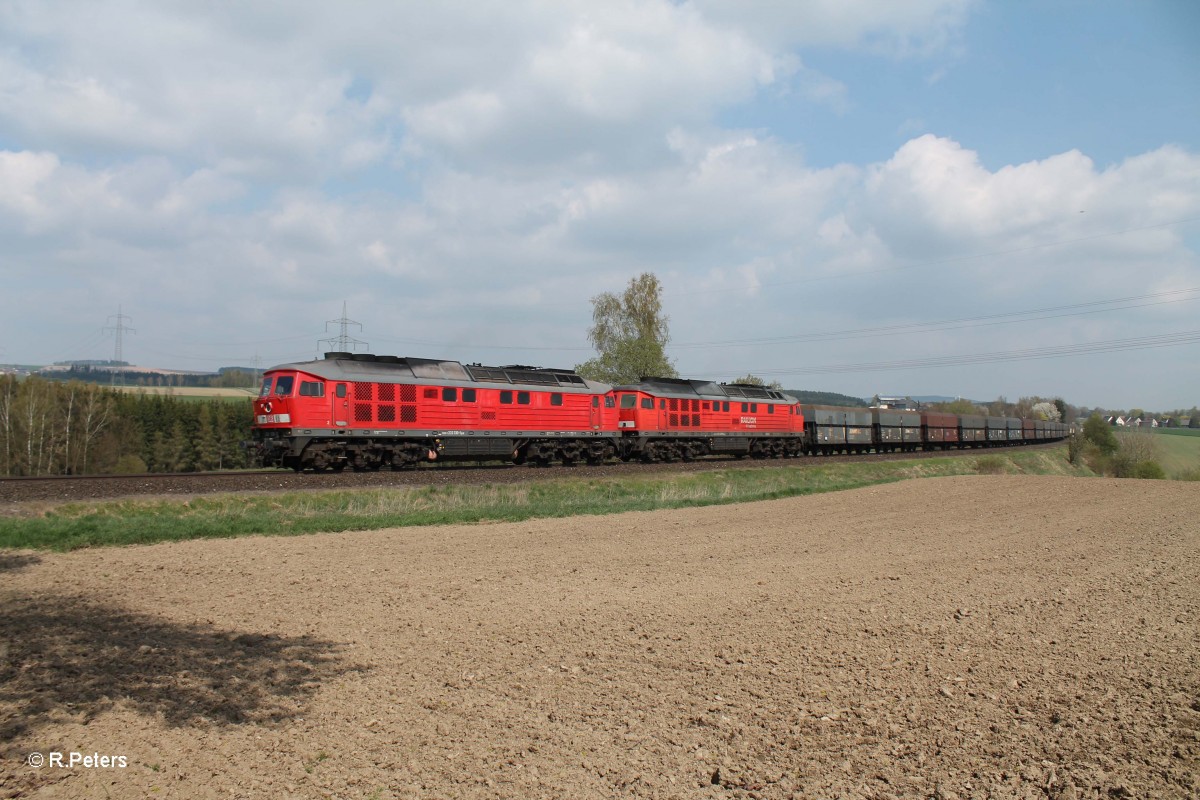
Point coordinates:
[[366, 412]]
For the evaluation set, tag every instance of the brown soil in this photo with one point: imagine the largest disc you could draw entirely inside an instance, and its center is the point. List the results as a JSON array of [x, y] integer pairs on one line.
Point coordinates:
[[937, 638]]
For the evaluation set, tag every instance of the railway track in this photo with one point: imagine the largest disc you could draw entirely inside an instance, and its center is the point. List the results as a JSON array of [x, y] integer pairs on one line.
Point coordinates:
[[140, 476], [82, 488]]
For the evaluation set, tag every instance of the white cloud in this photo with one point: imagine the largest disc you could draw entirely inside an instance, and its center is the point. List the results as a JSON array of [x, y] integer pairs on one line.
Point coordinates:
[[471, 173], [934, 198]]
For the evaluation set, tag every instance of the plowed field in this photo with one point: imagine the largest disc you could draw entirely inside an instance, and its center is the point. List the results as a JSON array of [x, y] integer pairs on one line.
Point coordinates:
[[958, 637]]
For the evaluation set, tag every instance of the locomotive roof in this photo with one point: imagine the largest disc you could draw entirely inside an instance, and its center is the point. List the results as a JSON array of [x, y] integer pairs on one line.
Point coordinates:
[[690, 389], [368, 368]]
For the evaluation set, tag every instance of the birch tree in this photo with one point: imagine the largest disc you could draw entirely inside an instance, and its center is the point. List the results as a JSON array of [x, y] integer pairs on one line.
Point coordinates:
[[630, 335]]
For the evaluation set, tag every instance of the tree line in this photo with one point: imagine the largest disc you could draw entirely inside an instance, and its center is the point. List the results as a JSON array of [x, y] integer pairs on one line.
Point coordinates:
[[113, 372], [75, 428]]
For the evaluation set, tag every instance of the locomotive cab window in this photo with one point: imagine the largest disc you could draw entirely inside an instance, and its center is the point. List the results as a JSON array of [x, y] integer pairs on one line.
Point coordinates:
[[266, 387], [449, 395], [506, 397], [312, 389], [468, 395], [555, 399], [609, 402], [283, 386], [628, 401], [648, 402], [341, 390], [662, 405], [523, 398]]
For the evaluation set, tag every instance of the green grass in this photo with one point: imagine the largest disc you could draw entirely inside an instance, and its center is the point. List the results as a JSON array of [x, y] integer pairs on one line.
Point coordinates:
[[1179, 450], [1178, 431], [135, 521]]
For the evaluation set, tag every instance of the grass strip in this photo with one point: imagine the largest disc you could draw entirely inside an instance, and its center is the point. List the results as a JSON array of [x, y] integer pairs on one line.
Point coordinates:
[[75, 525]]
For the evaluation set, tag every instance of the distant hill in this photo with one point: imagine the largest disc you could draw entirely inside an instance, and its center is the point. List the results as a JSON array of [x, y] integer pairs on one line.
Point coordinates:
[[825, 398]]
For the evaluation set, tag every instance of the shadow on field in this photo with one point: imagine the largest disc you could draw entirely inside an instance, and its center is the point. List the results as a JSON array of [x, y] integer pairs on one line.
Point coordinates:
[[11, 562], [68, 658]]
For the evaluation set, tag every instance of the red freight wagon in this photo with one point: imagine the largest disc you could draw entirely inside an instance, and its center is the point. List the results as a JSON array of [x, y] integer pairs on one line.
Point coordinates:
[[940, 429], [667, 418], [368, 411]]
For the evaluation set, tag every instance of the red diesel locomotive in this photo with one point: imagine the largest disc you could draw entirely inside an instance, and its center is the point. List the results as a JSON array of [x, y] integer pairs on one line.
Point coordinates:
[[367, 412], [372, 411]]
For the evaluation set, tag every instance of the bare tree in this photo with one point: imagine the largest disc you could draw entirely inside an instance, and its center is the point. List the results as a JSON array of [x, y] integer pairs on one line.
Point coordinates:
[[8, 394], [95, 412], [68, 417], [1138, 445]]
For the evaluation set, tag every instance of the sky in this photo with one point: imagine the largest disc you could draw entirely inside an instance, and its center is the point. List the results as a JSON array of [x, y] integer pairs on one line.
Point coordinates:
[[936, 197]]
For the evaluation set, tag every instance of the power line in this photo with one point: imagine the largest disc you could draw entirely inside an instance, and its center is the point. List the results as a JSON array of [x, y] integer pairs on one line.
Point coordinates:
[[949, 260], [1006, 318], [975, 359]]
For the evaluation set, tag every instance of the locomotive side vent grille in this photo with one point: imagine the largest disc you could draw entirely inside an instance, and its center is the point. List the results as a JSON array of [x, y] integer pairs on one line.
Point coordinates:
[[387, 392], [362, 391], [488, 415], [408, 393], [362, 412], [408, 413], [488, 374], [387, 413], [686, 420], [674, 421], [527, 376], [695, 420], [674, 405]]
